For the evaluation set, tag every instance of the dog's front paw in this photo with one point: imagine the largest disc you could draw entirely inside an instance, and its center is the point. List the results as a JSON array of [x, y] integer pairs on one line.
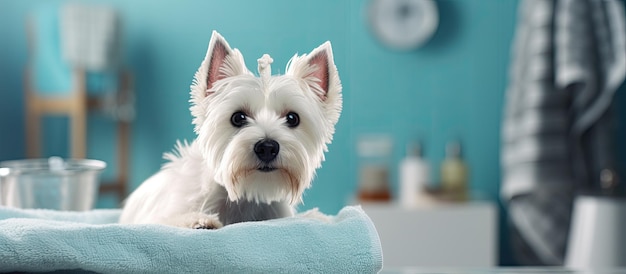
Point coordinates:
[[208, 222], [197, 220]]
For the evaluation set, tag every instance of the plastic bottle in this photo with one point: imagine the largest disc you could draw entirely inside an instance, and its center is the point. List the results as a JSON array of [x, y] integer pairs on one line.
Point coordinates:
[[414, 175], [454, 173], [374, 157]]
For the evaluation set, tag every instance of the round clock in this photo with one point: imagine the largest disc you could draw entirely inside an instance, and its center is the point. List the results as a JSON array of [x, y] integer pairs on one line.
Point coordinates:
[[403, 24]]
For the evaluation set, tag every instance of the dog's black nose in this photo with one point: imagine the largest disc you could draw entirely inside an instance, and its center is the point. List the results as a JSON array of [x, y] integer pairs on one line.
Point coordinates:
[[266, 150]]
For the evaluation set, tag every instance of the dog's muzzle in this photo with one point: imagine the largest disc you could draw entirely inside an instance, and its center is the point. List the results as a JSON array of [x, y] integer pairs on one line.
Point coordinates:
[[266, 150]]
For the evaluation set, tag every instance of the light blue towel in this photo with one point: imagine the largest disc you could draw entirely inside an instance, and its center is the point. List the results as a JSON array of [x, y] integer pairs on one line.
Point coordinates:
[[51, 74], [44, 240]]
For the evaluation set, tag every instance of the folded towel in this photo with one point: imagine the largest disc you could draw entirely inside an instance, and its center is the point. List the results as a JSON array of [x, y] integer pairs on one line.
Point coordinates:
[[45, 240]]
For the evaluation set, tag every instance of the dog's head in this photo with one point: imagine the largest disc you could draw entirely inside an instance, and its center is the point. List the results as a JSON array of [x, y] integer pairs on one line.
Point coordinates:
[[264, 136]]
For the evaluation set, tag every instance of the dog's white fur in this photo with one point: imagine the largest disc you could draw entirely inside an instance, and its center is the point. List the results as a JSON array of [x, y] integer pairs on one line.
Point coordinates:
[[217, 179]]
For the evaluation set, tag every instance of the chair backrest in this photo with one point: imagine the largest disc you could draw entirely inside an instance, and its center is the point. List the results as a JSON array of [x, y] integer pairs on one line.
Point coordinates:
[[74, 36]]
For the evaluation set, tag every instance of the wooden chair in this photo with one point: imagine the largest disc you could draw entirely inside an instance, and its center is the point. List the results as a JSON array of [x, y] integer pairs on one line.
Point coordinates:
[[76, 104]]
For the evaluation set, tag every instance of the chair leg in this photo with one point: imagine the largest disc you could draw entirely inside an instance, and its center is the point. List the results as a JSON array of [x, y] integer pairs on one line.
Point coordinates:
[[33, 119], [33, 131], [123, 158], [120, 185], [78, 116], [78, 132]]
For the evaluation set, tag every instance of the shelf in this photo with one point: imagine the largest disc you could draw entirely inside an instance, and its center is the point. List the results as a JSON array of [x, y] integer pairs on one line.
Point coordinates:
[[436, 235]]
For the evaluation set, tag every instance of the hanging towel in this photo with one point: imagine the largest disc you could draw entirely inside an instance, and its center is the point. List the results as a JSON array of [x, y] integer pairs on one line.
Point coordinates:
[[90, 36], [568, 59], [49, 73], [46, 240]]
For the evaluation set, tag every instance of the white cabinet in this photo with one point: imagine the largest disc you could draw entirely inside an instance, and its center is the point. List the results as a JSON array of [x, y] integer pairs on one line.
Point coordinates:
[[439, 235]]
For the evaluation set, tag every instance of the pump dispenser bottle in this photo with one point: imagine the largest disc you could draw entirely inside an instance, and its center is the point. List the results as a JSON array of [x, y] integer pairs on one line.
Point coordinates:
[[414, 175], [454, 173]]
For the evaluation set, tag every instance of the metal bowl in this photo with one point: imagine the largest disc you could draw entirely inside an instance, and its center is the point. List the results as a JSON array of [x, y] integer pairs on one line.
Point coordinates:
[[51, 183]]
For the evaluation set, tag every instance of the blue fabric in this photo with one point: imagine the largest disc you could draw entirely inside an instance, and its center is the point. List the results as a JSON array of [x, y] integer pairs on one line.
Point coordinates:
[[99, 83], [45, 240], [52, 75]]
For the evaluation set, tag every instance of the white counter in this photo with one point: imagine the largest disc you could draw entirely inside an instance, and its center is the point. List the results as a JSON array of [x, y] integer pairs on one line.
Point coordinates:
[[441, 235]]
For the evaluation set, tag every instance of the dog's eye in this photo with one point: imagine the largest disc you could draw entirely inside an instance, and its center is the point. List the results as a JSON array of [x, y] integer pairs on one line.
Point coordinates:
[[238, 119], [293, 120]]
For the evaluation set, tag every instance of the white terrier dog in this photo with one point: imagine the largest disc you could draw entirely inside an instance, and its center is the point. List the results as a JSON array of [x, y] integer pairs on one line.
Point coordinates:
[[259, 142]]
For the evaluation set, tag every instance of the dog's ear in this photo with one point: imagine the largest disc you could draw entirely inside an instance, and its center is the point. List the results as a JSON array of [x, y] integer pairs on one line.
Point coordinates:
[[216, 57], [318, 69], [320, 61], [220, 62], [319, 72]]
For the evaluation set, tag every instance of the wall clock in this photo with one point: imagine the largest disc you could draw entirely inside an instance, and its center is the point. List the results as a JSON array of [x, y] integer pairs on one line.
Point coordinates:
[[403, 24]]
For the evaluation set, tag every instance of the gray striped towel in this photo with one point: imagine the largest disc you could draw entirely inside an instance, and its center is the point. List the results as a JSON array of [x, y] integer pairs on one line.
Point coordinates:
[[568, 59]]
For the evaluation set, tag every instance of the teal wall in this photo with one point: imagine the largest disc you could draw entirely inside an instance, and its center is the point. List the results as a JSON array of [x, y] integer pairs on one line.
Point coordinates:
[[452, 88]]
